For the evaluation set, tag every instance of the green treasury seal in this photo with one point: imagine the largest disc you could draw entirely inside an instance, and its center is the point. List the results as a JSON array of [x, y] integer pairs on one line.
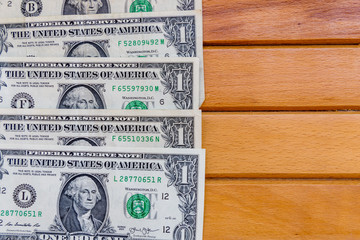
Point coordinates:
[[140, 6], [136, 105], [138, 206]]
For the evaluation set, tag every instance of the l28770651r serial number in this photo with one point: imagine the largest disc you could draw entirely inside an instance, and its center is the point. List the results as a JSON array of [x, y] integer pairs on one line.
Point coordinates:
[[20, 213], [140, 179]]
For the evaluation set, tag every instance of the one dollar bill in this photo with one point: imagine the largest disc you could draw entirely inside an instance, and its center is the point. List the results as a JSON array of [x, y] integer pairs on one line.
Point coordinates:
[[168, 34], [101, 194], [73, 83], [127, 128], [34, 8]]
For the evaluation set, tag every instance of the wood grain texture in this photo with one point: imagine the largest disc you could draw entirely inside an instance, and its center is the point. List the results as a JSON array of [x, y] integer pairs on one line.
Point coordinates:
[[282, 78], [246, 149], [235, 22], [273, 210], [282, 145]]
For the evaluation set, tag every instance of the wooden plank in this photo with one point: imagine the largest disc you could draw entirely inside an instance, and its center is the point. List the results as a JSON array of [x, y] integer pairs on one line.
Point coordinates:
[[282, 145], [235, 22], [282, 78], [282, 210]]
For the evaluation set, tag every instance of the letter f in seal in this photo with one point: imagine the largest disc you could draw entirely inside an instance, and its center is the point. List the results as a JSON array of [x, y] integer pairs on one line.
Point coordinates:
[[2, 170]]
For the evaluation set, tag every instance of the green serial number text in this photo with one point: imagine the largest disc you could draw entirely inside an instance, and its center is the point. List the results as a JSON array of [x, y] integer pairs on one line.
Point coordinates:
[[139, 179], [150, 42], [20, 213], [135, 139], [135, 88]]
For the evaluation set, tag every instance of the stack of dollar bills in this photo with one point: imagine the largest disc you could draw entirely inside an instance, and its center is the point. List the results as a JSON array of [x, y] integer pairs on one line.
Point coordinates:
[[100, 127]]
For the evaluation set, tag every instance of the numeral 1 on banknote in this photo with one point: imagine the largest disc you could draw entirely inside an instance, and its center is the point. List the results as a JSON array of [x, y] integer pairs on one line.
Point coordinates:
[[104, 194]]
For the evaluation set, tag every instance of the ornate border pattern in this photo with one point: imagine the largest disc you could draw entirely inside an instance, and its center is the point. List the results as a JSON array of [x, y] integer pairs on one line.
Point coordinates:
[[3, 171], [169, 73], [18, 237], [185, 5], [173, 33], [170, 130], [187, 190], [180, 33], [182, 99], [4, 45], [2, 83]]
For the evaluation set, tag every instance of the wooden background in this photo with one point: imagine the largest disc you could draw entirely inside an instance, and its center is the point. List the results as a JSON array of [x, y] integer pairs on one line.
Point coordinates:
[[281, 124]]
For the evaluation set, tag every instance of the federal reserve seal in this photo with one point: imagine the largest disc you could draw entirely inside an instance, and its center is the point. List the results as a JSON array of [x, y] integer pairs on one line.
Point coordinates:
[[24, 195], [138, 206], [22, 100], [31, 8], [136, 105], [141, 6]]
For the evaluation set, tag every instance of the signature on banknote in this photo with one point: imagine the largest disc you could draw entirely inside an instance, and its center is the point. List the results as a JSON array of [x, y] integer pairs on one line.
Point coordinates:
[[17, 224], [144, 231]]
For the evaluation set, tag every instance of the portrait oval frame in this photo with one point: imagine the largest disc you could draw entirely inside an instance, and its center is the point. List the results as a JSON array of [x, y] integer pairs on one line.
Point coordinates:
[[98, 97], [91, 142], [100, 49], [69, 10], [103, 205]]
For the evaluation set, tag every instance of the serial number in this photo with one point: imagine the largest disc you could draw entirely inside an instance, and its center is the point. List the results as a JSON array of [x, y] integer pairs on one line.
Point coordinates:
[[135, 88], [135, 139], [151, 42], [139, 179], [20, 213]]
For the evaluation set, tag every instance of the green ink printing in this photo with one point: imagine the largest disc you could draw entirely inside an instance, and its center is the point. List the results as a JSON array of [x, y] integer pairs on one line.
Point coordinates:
[[141, 6], [143, 139], [138, 206], [20, 213], [136, 105]]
